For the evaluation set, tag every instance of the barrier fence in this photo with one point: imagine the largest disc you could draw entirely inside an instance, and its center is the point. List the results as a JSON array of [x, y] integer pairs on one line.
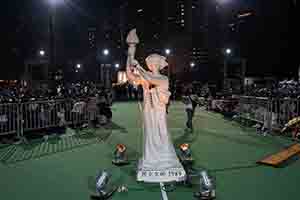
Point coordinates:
[[21, 118], [273, 113]]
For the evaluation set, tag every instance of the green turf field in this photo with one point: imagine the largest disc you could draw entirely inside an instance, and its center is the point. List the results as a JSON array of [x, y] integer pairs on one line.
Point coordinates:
[[61, 168]]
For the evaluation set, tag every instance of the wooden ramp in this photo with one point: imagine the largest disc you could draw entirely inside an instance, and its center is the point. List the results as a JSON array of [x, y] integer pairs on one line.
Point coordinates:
[[278, 158]]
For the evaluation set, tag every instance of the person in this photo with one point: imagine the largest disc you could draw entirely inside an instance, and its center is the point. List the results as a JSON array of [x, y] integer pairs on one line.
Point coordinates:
[[103, 104], [159, 162], [189, 112], [190, 102]]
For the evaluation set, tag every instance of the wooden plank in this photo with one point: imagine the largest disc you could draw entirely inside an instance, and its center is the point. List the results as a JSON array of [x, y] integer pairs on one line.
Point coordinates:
[[282, 156]]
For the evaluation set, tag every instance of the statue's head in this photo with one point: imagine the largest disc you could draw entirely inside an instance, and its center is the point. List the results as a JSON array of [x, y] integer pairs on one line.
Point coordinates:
[[156, 62]]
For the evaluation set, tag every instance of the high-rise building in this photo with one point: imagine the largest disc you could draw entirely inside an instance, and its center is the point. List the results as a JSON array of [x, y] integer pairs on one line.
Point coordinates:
[[175, 24], [180, 15], [92, 34]]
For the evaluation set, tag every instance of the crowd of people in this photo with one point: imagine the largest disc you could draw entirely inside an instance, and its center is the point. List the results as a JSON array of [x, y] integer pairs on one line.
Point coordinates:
[[39, 106], [43, 92], [283, 89]]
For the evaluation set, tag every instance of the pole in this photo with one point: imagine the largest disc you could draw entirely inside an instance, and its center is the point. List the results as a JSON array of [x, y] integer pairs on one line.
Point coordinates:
[[52, 61]]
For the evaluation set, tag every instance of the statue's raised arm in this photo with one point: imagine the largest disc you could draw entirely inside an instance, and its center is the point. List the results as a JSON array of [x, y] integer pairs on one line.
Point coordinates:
[[132, 40]]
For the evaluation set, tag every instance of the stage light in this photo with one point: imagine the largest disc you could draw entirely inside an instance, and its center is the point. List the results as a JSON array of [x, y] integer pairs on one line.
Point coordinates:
[[207, 188], [185, 150], [186, 159], [101, 182], [103, 190], [120, 155]]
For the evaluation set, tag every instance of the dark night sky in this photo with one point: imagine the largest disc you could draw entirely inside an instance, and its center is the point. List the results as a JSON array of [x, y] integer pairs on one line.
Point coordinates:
[[268, 39]]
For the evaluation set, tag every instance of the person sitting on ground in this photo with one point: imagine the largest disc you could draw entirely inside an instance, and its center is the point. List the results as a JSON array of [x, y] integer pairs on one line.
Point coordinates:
[[104, 108]]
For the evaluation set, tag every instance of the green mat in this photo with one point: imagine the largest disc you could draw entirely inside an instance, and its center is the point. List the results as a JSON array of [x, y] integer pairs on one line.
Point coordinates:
[[61, 168]]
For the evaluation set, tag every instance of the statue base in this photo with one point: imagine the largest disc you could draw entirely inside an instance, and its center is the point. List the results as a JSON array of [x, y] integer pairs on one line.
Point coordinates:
[[160, 175]]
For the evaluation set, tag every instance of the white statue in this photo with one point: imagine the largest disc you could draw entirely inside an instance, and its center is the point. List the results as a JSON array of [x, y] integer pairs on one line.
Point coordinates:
[[159, 162]]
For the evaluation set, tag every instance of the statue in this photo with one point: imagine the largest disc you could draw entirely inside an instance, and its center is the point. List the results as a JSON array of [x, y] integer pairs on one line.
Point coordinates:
[[159, 162]]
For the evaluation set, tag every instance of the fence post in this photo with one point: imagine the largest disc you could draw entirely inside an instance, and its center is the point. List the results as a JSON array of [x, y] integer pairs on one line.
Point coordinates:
[[269, 115], [18, 121]]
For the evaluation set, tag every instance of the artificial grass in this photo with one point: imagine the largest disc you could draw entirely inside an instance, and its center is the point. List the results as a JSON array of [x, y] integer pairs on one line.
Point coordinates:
[[61, 168]]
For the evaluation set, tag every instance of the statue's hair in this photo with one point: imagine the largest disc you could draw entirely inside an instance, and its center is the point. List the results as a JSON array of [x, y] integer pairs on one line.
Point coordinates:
[[158, 60]]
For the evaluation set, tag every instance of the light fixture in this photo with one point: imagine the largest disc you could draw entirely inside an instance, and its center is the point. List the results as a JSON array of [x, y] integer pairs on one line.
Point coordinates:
[[192, 64], [42, 52], [186, 160], [117, 65], [120, 157], [185, 151], [168, 51], [101, 183], [228, 51], [78, 66], [207, 188], [105, 52]]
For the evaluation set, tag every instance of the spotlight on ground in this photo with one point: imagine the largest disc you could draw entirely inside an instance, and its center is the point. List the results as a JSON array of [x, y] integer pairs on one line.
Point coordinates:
[[102, 189], [185, 151], [120, 157], [186, 158], [207, 190]]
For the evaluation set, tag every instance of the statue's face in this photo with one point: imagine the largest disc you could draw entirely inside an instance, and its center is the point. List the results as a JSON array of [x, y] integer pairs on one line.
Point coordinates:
[[152, 67]]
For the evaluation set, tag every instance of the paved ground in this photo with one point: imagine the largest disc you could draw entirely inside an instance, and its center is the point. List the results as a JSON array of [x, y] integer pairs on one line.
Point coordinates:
[[61, 168]]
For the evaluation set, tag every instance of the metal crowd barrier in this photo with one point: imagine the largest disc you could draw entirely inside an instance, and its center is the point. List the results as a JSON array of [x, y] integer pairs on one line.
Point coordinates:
[[9, 121], [273, 113], [21, 118], [283, 110]]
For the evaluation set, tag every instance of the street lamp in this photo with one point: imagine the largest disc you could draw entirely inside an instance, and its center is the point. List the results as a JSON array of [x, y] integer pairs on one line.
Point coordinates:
[[106, 52], [228, 51], [167, 51], [192, 64], [52, 41], [42, 52]]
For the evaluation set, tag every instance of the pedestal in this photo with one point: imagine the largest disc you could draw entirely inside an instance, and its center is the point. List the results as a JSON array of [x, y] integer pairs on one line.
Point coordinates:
[[160, 175]]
